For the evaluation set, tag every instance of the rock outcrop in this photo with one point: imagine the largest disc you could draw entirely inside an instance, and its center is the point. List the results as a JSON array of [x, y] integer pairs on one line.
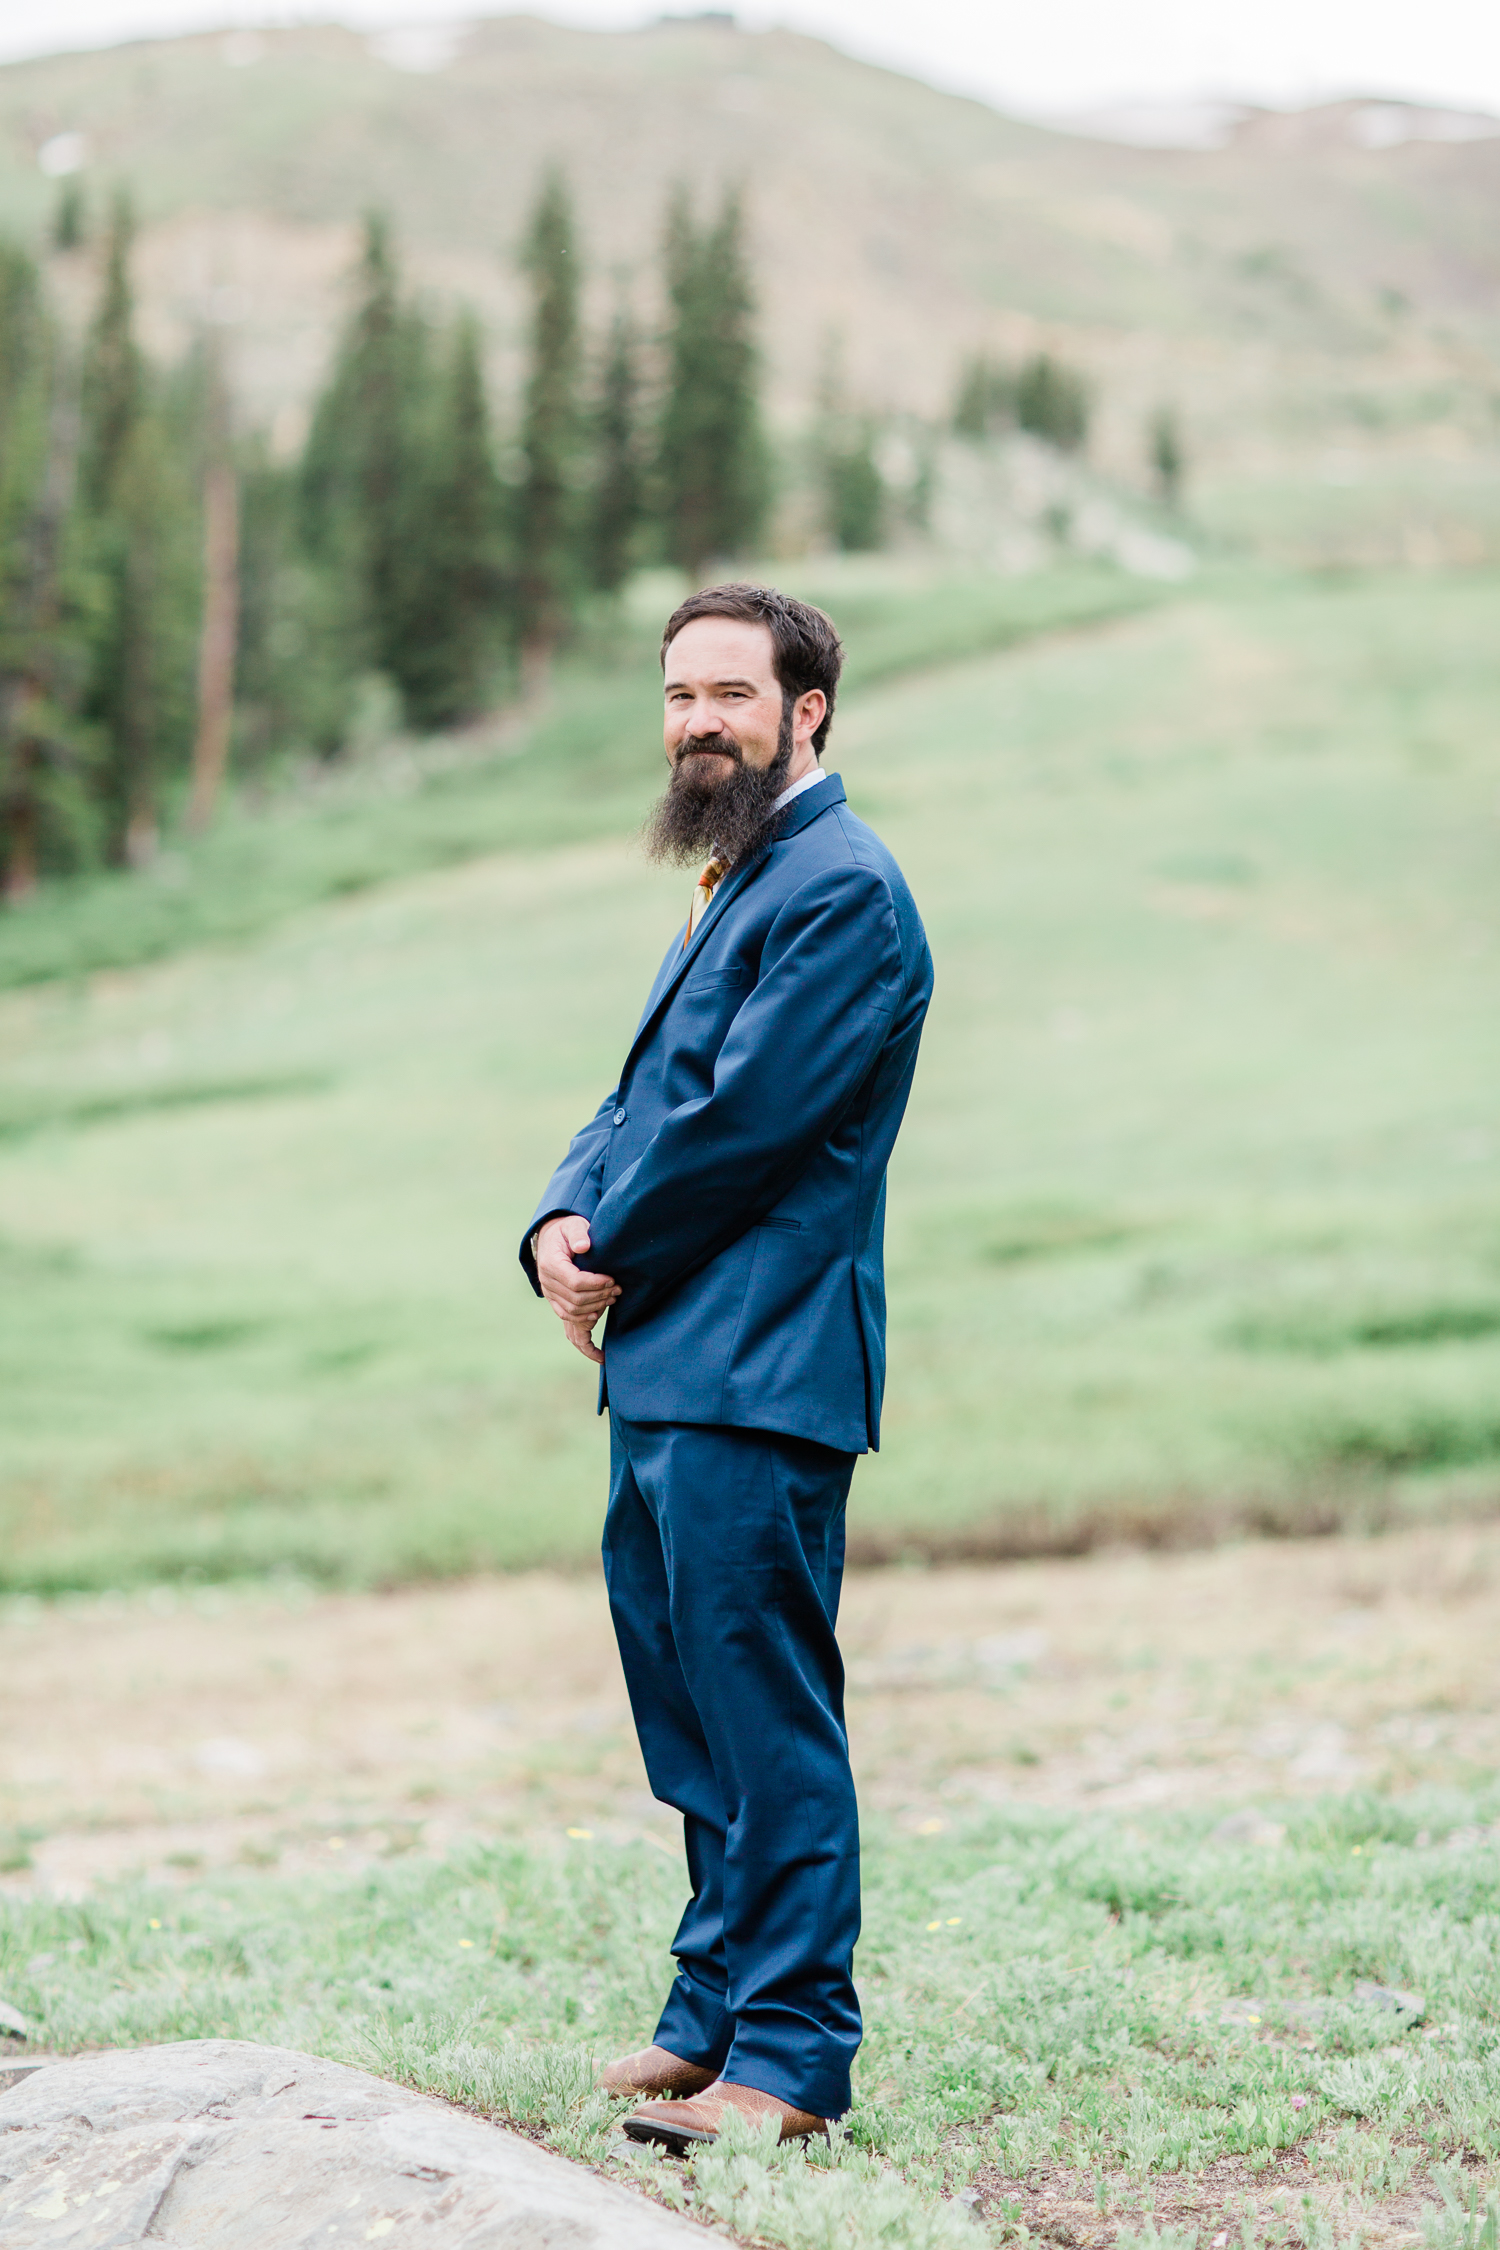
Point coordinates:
[[218, 2144]]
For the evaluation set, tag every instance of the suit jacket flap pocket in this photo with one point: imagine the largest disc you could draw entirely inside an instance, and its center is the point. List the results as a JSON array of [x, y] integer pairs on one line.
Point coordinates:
[[699, 978]]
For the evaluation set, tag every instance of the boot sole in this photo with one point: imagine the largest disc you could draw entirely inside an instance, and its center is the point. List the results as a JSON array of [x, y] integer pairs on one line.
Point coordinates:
[[675, 2138], [678, 2138]]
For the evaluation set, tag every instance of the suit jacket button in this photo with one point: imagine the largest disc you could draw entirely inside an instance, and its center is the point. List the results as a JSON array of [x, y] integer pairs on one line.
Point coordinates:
[[619, 1116]]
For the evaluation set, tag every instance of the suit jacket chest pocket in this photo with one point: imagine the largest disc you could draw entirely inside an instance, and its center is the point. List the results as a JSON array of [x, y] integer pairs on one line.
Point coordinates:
[[715, 991]]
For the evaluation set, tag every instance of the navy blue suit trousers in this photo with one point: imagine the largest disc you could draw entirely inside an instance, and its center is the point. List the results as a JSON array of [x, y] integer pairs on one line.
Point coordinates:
[[724, 1554]]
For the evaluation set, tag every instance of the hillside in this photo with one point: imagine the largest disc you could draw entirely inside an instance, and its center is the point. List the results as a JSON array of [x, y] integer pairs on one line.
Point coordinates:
[[1293, 289], [1194, 1220]]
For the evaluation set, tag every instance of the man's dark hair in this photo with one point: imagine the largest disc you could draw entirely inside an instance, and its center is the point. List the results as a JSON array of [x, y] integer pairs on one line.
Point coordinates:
[[807, 650]]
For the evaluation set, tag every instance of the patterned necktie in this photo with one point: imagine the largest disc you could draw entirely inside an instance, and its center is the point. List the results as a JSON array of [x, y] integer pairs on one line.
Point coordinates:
[[708, 882]]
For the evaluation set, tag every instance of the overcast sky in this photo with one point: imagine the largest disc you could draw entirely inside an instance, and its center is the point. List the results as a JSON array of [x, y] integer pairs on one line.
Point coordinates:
[[1055, 57]]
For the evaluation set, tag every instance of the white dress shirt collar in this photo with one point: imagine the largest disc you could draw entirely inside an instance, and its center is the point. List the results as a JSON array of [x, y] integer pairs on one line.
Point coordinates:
[[808, 781]]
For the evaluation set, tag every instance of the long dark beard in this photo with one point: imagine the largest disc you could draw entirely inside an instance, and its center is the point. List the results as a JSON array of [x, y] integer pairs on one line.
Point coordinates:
[[732, 816]]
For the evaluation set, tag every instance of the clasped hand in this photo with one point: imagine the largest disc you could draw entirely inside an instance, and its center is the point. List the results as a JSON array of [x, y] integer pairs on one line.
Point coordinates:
[[579, 1300]]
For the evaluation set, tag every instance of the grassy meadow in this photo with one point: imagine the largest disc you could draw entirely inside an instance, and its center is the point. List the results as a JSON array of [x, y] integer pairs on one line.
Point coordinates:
[[1076, 2030], [1195, 1222]]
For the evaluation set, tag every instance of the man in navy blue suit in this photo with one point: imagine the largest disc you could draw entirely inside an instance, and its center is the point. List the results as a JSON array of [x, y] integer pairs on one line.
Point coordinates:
[[725, 1208]]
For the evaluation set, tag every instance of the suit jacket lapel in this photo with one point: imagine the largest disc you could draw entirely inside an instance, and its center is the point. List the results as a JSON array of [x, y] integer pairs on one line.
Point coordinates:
[[801, 810], [671, 962], [681, 959]]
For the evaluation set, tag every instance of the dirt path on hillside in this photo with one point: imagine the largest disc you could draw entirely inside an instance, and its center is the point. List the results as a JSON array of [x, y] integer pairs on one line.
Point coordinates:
[[166, 1733]]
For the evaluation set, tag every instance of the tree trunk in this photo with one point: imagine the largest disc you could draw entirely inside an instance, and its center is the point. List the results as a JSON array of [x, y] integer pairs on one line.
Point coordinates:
[[21, 858], [219, 641], [536, 668]]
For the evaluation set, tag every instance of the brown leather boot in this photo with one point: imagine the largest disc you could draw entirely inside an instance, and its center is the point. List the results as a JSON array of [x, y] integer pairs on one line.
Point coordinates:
[[654, 2070], [678, 2125]]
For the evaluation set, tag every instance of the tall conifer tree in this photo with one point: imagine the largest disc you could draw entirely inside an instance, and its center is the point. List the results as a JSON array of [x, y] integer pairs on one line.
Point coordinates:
[[24, 371], [1168, 457], [455, 608], [45, 814], [712, 463], [1052, 401], [122, 465], [69, 220], [294, 664], [113, 377], [357, 469], [852, 491], [547, 528], [619, 500], [986, 399], [218, 642]]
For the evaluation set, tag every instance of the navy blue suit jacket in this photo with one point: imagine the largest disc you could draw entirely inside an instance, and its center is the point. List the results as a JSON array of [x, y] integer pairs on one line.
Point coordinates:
[[734, 1180]]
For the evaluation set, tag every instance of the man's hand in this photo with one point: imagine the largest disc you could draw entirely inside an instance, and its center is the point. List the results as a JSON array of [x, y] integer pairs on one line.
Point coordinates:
[[578, 1299]]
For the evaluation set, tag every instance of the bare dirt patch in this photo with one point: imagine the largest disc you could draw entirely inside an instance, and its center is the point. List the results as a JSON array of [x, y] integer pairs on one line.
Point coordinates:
[[170, 1732], [1225, 2202]]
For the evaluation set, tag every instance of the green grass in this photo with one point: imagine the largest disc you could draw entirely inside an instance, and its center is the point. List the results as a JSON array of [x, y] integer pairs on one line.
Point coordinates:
[[1046, 2003], [1194, 1224], [1355, 506]]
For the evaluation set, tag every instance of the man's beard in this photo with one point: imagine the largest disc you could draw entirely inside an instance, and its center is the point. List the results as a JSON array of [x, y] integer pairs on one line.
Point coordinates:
[[730, 816]]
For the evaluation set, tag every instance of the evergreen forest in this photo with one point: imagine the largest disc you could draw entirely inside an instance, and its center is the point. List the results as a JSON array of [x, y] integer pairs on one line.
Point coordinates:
[[175, 596], [180, 601]]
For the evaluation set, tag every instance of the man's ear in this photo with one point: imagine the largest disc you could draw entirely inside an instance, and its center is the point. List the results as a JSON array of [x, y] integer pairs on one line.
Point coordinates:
[[812, 709]]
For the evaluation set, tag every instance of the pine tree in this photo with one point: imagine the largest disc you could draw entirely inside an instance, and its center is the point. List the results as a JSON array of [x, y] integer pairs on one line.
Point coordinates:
[[1168, 461], [455, 607], [112, 371], [547, 529], [357, 467], [1052, 402], [619, 497], [711, 463], [294, 675], [851, 491], [69, 220], [855, 493], [388, 349], [219, 637], [45, 813], [986, 398], [122, 487], [400, 568], [123, 691]]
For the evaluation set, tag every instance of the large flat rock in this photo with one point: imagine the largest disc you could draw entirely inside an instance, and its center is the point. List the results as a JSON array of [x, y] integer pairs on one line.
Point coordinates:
[[217, 2144]]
